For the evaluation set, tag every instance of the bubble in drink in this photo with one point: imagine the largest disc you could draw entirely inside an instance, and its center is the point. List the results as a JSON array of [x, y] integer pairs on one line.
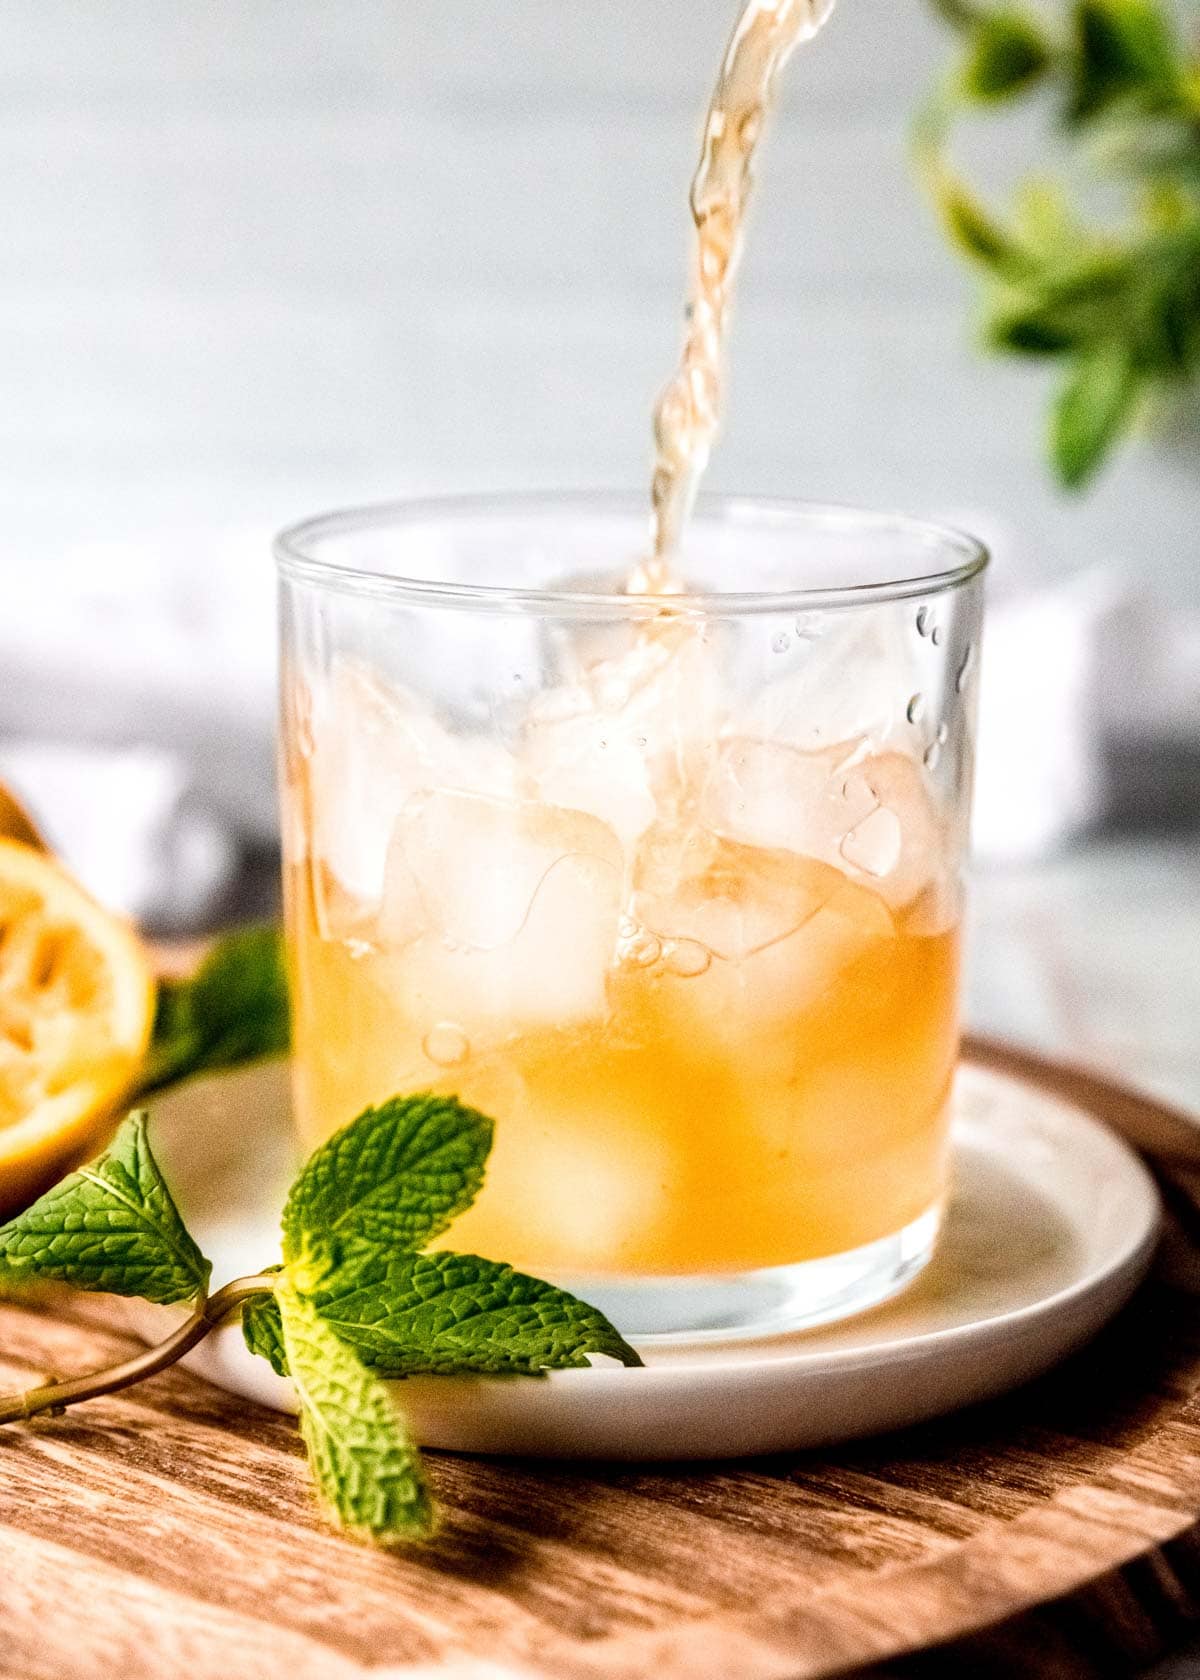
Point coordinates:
[[687, 958]]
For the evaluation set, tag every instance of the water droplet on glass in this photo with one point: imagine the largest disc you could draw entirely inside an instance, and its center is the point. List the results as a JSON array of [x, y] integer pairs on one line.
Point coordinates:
[[915, 709], [781, 643], [446, 1044], [943, 734], [924, 620], [642, 741], [933, 753], [964, 670], [688, 958], [935, 635]]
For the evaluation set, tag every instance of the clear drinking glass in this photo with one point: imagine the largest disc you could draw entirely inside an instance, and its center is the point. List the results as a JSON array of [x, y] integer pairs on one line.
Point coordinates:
[[668, 886]]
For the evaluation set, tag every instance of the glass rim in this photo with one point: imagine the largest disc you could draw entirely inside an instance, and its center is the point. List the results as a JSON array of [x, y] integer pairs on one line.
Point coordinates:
[[293, 549]]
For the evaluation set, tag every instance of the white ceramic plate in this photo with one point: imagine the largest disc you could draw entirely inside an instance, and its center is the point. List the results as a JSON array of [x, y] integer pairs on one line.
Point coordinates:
[[1052, 1224]]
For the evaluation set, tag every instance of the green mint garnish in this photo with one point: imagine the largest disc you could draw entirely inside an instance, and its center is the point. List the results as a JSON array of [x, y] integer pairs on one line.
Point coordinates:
[[366, 1466], [414, 1314], [262, 1328], [396, 1177], [112, 1226], [233, 1010], [355, 1302]]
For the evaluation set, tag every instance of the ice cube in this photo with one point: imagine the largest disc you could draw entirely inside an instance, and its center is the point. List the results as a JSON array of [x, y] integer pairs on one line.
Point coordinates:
[[518, 906], [373, 748], [866, 813], [635, 733], [589, 1181], [734, 900], [841, 681], [784, 932], [767, 794], [900, 847]]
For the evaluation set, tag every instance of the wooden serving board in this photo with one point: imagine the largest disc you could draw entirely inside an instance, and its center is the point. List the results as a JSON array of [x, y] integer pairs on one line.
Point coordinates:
[[170, 1530]]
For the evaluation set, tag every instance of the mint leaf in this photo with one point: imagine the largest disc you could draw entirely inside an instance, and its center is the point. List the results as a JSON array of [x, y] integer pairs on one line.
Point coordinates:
[[262, 1328], [1124, 50], [450, 1314], [368, 1470], [234, 1009], [1092, 410], [397, 1176], [965, 15], [1073, 308], [972, 228], [112, 1226], [1008, 53]]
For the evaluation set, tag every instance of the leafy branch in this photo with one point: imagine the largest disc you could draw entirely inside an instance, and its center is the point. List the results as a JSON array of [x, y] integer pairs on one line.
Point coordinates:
[[358, 1299], [1119, 309]]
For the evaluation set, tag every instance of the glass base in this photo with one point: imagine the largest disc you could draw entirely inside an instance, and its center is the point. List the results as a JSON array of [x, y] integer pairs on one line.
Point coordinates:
[[747, 1305]]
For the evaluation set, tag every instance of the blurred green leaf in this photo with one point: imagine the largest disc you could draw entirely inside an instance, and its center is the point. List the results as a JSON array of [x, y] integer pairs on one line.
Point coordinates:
[[961, 14], [1173, 336], [1124, 49], [1092, 411], [233, 1010], [1043, 219], [1029, 331], [1008, 53], [972, 227], [1120, 307], [1064, 311]]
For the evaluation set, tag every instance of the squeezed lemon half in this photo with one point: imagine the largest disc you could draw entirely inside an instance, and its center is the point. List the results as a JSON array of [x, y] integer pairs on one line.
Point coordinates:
[[15, 821], [76, 1012]]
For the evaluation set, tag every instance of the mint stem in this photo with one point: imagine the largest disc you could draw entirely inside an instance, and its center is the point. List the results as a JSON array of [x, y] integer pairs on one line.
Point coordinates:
[[208, 1314]]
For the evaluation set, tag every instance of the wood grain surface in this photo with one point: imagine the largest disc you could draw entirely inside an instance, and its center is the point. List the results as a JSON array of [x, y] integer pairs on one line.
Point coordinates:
[[170, 1530]]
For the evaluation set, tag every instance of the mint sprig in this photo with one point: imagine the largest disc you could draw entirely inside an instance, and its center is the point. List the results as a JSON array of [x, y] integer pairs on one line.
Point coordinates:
[[356, 1301], [1116, 306]]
